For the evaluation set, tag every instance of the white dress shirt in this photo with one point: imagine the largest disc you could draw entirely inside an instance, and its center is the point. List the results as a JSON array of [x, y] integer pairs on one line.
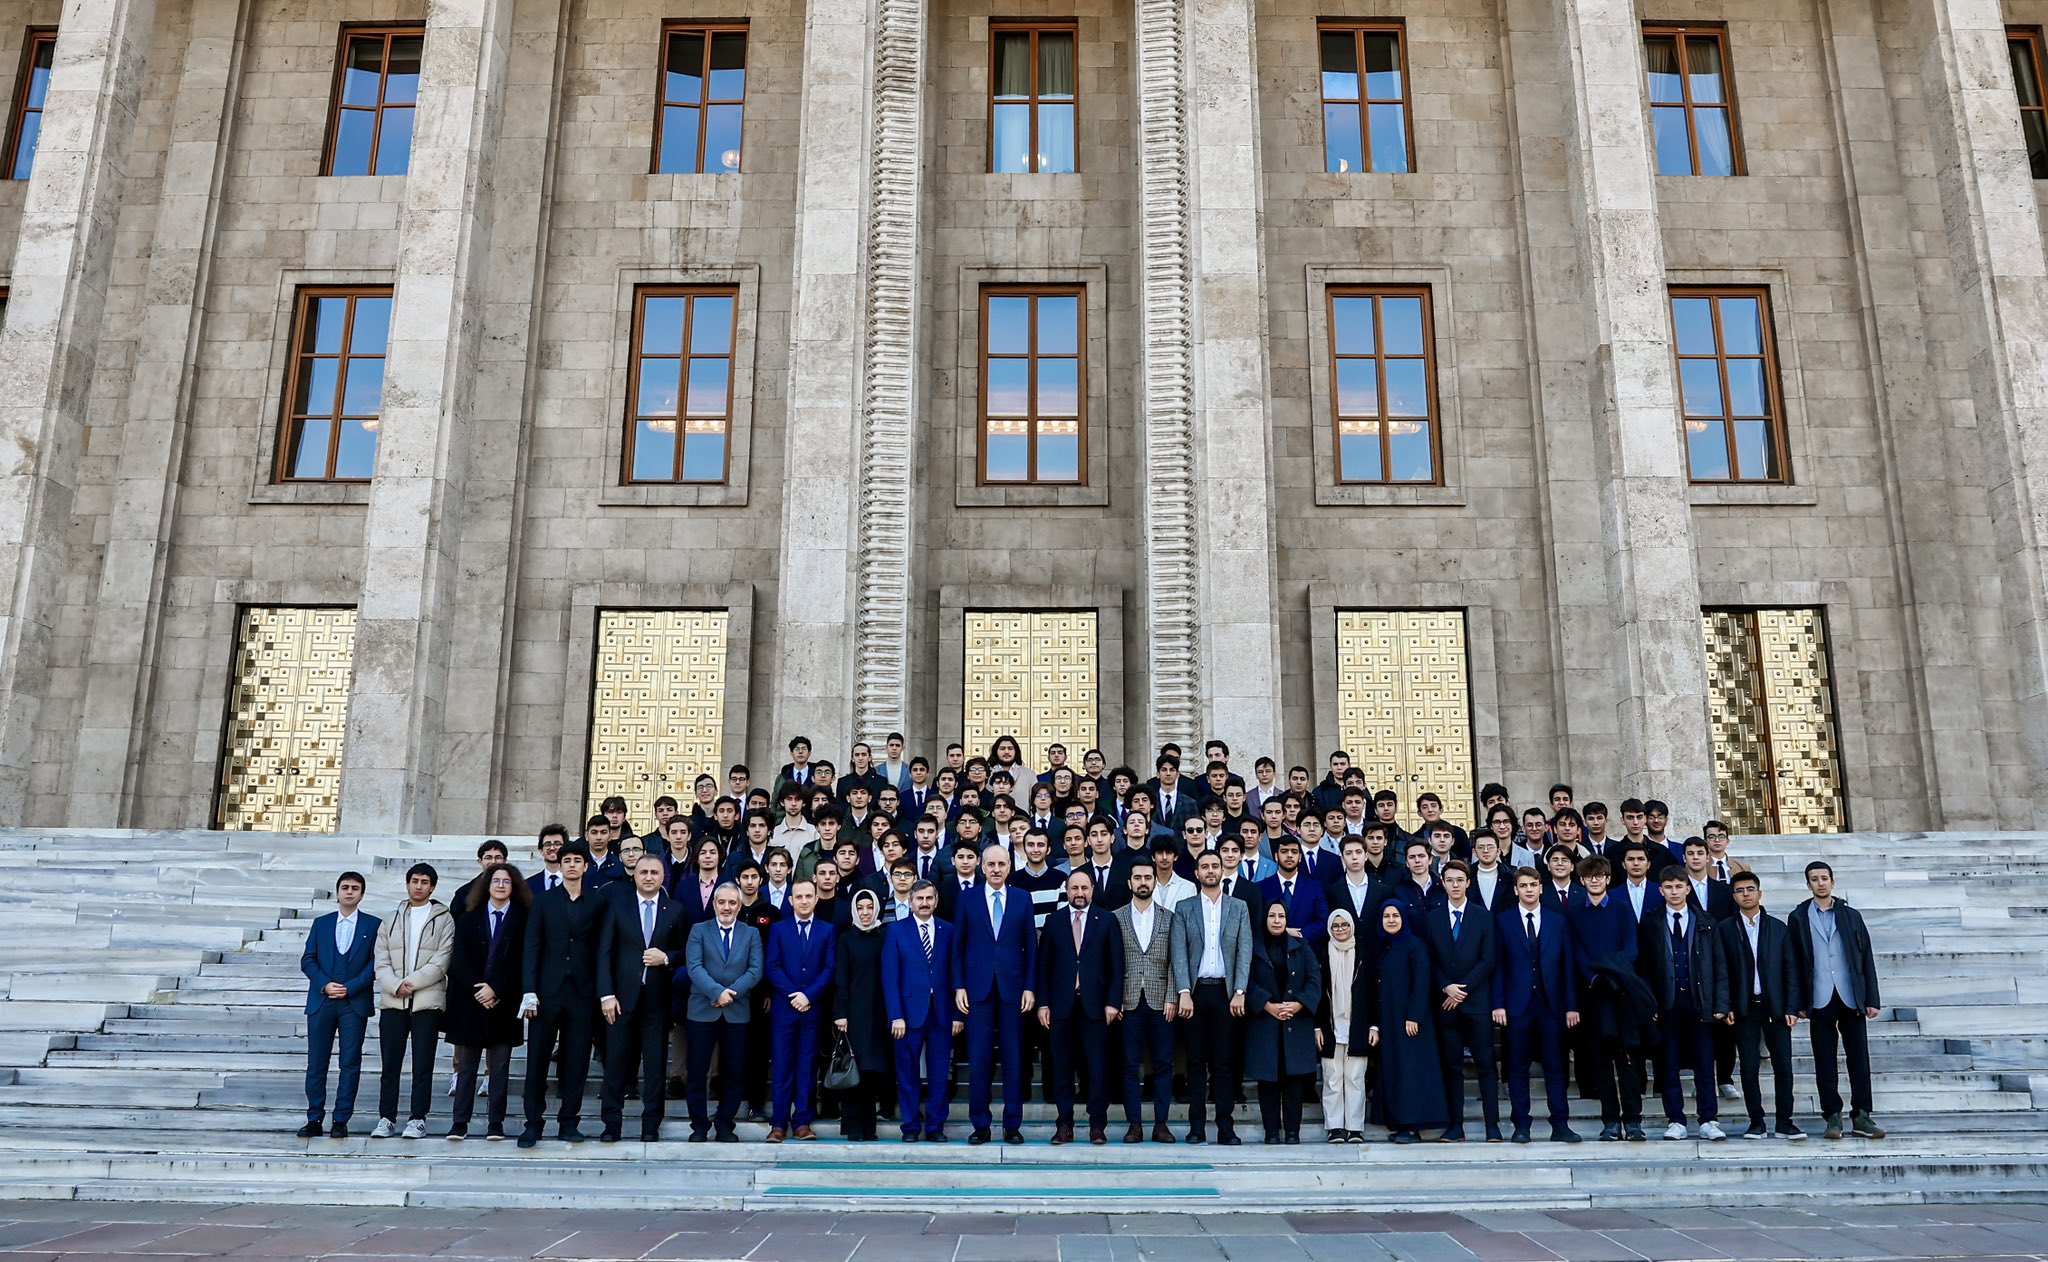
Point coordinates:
[[1753, 926], [1141, 926], [344, 932], [1211, 966]]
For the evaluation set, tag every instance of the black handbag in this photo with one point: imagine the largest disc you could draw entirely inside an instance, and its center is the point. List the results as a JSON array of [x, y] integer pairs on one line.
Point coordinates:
[[841, 1074]]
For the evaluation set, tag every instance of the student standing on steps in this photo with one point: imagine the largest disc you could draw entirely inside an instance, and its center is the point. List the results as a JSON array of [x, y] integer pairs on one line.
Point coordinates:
[[1832, 948], [559, 964], [413, 948], [340, 964], [1765, 994]]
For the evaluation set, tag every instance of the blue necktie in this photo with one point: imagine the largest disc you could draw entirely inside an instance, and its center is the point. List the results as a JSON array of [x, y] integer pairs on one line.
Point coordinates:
[[727, 934], [1457, 923], [926, 930]]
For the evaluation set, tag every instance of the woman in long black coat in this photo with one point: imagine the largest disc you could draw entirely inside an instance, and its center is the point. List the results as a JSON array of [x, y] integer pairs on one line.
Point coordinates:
[[1285, 990], [484, 986], [862, 1019], [1411, 1079]]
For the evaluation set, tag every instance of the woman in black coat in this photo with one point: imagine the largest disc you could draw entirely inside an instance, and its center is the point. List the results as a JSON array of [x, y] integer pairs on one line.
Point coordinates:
[[1285, 990], [484, 986], [1411, 1079], [862, 1019]]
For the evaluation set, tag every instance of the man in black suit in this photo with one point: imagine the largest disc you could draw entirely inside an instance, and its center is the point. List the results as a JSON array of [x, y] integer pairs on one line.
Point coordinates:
[[1765, 994], [966, 874], [1080, 991], [1493, 882], [640, 935], [1679, 955], [1173, 801], [1459, 933], [1831, 949], [488, 855], [1235, 885], [1707, 894], [560, 964], [552, 839]]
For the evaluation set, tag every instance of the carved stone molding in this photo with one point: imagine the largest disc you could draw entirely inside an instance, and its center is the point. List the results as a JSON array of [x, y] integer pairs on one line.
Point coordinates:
[[889, 375], [1171, 626]]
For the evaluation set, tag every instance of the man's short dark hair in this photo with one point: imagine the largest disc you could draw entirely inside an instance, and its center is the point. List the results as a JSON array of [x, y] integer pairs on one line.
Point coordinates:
[[1527, 871], [1411, 844], [1690, 842], [1164, 845], [1165, 761], [791, 789], [578, 848], [1283, 843], [422, 869], [492, 844], [1593, 866], [1672, 872], [1712, 824], [553, 830], [1443, 826], [1374, 827], [1560, 787], [1746, 878], [1819, 865], [1655, 807], [1353, 791], [1594, 808], [1492, 789], [670, 801], [613, 803], [738, 769], [1351, 841], [921, 761], [357, 877], [795, 741], [596, 821], [1457, 865], [1426, 796], [1631, 806], [1263, 761]]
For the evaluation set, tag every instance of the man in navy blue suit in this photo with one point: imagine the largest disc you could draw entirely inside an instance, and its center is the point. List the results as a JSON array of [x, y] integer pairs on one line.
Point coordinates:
[[1536, 998], [801, 954], [1459, 933], [995, 970], [1308, 910], [1081, 969], [917, 976], [340, 964]]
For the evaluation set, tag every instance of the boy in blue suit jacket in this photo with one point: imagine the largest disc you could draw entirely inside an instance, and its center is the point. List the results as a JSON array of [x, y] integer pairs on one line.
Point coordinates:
[[1536, 999], [340, 964], [917, 992], [801, 953]]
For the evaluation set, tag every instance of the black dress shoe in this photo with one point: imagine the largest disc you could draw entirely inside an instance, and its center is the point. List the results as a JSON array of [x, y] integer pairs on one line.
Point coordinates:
[[935, 1137], [608, 1136], [1229, 1139], [1636, 1135], [728, 1137], [910, 1137], [1611, 1133], [699, 1136], [1564, 1135], [529, 1138], [1452, 1135], [1293, 1137], [1197, 1136], [1013, 1137], [1521, 1135], [571, 1135], [650, 1137], [311, 1130], [338, 1130], [978, 1137], [1493, 1134]]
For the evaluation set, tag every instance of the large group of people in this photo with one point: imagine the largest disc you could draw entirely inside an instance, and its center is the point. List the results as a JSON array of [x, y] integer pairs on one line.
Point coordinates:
[[853, 945]]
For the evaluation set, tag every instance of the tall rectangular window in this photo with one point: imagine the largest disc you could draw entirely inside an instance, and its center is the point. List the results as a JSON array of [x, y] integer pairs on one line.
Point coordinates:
[[1383, 387], [1365, 99], [2024, 43], [1032, 98], [1692, 100], [375, 91], [703, 100], [681, 384], [1032, 384], [38, 51], [1728, 385], [335, 396]]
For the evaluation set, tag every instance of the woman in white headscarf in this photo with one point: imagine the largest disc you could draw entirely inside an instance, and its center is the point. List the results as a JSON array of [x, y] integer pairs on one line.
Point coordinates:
[[1341, 1036]]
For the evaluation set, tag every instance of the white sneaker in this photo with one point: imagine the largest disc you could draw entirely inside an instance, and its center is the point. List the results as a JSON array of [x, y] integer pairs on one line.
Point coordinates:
[[1712, 1130], [415, 1129], [1728, 1091], [1675, 1131], [451, 1086], [385, 1129]]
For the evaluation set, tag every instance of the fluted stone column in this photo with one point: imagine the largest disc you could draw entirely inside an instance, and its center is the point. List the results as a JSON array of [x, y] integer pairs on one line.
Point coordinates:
[[1658, 684], [411, 531], [127, 614], [1994, 235], [815, 593], [49, 351]]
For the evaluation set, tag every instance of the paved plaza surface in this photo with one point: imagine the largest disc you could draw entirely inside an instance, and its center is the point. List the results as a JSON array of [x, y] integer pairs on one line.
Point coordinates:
[[66, 1231]]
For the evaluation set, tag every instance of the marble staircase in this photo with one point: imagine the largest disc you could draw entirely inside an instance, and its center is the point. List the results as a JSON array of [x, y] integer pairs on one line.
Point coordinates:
[[150, 1047]]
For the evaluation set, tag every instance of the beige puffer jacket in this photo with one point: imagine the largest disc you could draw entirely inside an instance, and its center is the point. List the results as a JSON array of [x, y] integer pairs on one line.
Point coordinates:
[[429, 976]]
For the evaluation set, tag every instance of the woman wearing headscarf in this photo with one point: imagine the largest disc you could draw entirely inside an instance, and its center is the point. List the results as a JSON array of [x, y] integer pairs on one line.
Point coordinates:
[[1285, 990], [1344, 1032], [862, 1020], [1403, 1028]]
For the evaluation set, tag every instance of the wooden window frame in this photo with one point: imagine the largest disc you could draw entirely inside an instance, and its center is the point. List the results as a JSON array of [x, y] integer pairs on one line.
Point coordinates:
[[682, 417], [703, 106], [1331, 293], [1358, 31], [35, 39], [1681, 32], [1079, 293], [351, 32], [1774, 394], [1034, 29], [289, 416], [2032, 38]]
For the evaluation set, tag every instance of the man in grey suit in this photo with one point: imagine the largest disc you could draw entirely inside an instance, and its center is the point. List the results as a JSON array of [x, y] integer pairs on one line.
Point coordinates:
[[1211, 962], [725, 962], [1149, 1003]]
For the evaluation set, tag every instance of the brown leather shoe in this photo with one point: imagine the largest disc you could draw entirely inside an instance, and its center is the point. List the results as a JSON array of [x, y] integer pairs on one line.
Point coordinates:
[[777, 1135], [1062, 1134], [1135, 1135], [1097, 1137], [1160, 1135], [805, 1132]]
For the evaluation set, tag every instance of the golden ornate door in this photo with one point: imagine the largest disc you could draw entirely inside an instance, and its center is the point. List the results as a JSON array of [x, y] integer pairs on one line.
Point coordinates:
[[657, 705], [287, 719], [1032, 675], [1771, 713], [1404, 708]]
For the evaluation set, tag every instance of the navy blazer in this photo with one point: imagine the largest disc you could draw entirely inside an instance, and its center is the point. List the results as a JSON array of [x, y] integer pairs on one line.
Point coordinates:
[[1468, 959], [1503, 888], [795, 966], [990, 965], [357, 970], [1518, 971], [1092, 977], [915, 991], [1308, 910]]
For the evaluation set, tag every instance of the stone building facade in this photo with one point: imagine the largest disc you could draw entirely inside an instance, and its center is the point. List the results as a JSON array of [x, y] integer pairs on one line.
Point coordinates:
[[177, 215]]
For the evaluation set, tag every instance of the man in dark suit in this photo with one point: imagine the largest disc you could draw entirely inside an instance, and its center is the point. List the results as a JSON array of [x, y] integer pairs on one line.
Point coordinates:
[[964, 877], [560, 964], [1713, 897], [801, 961], [1308, 914], [798, 769], [1459, 934], [1081, 975], [917, 978], [1680, 957], [724, 961], [340, 964], [1173, 803], [1831, 949], [552, 839], [1536, 999], [1765, 994], [995, 968], [488, 855], [1493, 882], [639, 941]]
